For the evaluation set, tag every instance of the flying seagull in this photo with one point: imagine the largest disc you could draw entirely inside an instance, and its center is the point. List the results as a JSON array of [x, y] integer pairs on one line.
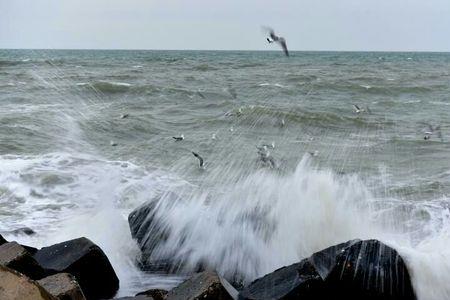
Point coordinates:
[[314, 153], [272, 145], [278, 39], [358, 109], [433, 130], [178, 138], [200, 159]]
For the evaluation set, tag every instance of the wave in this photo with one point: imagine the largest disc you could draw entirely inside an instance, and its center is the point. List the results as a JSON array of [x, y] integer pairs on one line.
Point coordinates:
[[270, 115], [279, 85], [265, 221], [107, 87], [387, 90], [64, 196]]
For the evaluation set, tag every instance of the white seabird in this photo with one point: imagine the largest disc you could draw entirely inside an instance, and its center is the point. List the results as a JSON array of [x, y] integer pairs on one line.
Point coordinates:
[[433, 130]]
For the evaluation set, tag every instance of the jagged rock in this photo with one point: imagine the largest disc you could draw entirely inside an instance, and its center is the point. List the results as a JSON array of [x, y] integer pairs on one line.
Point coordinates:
[[156, 294], [16, 257], [204, 285], [370, 270], [86, 261], [62, 286], [16, 286], [297, 281]]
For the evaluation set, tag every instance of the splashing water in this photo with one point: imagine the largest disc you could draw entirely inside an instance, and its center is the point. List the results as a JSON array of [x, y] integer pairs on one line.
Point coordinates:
[[373, 177]]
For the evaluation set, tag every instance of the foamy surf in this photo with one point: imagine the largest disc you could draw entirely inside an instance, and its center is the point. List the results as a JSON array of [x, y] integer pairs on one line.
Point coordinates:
[[266, 221]]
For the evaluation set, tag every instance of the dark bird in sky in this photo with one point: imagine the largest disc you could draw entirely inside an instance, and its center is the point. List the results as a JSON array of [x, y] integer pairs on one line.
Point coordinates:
[[278, 39]]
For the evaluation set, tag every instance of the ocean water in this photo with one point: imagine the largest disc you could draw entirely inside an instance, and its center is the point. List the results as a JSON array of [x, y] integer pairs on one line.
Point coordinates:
[[372, 175]]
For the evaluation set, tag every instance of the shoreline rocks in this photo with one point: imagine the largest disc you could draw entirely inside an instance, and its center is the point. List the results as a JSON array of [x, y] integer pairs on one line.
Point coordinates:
[[84, 260], [16, 286], [370, 270], [156, 294], [72, 270], [205, 285], [62, 286], [16, 257], [79, 270], [353, 270]]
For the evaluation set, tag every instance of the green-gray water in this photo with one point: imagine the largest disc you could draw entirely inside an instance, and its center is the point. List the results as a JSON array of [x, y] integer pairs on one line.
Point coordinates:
[[374, 175]]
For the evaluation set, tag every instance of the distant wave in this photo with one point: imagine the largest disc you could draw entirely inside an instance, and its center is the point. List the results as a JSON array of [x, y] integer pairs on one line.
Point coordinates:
[[107, 86], [386, 90], [272, 84], [264, 115]]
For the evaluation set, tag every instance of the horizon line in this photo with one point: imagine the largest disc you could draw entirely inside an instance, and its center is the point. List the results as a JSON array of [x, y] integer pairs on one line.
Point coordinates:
[[227, 50]]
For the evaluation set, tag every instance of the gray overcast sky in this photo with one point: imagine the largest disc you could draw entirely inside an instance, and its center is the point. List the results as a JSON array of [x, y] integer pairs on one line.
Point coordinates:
[[391, 25]]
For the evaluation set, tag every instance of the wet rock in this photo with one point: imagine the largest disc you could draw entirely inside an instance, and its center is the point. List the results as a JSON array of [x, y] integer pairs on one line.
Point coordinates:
[[2, 240], [156, 294], [297, 281], [16, 286], [370, 270], [352, 270], [62, 286], [324, 260], [148, 230], [205, 285], [23, 231], [16, 257], [30, 249], [84, 260]]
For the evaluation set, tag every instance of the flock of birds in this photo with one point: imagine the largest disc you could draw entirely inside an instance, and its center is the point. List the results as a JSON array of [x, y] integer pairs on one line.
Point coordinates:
[[263, 151]]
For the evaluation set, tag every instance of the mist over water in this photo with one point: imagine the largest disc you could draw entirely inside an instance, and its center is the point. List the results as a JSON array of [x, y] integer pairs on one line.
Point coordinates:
[[374, 176]]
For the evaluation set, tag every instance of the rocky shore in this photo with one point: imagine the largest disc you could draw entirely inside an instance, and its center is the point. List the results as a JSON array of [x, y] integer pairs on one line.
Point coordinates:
[[78, 269]]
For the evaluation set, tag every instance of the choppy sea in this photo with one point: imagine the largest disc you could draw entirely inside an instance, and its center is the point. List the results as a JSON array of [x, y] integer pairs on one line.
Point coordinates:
[[71, 165]]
